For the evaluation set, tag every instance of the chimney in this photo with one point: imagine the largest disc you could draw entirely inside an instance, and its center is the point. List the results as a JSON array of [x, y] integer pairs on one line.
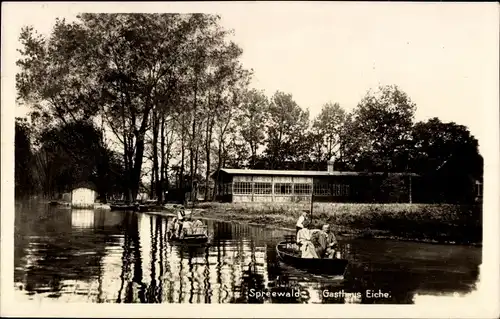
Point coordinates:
[[330, 165]]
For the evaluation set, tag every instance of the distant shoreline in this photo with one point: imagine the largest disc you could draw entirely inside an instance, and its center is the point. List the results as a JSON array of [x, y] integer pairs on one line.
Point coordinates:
[[434, 224]]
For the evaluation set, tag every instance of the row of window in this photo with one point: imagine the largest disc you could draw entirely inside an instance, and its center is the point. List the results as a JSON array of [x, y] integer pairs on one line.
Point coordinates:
[[259, 188]]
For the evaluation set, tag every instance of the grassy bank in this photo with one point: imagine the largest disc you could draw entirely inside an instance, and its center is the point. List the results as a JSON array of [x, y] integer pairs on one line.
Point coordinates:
[[419, 222]]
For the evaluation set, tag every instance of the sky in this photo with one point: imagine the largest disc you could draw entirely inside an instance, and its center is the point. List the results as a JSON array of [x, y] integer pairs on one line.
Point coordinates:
[[442, 55]]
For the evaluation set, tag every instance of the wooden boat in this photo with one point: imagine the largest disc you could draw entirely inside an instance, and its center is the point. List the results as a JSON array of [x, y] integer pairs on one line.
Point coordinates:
[[135, 208], [59, 203], [149, 208], [102, 206], [143, 208], [191, 239], [123, 207], [199, 236], [288, 253]]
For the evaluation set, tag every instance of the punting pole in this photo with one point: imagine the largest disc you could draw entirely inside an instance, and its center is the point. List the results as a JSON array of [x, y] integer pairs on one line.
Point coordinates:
[[410, 196], [312, 200]]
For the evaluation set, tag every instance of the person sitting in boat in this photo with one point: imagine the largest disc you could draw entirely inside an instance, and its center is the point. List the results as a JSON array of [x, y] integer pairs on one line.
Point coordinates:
[[197, 223], [327, 242], [187, 227], [198, 227], [315, 239], [304, 241], [300, 222]]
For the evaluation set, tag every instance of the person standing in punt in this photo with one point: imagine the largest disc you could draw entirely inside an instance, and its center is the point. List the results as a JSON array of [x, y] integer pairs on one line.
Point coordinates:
[[300, 222], [181, 215]]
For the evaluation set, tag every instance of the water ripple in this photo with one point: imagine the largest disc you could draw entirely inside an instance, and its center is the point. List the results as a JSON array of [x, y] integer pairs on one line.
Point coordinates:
[[117, 257]]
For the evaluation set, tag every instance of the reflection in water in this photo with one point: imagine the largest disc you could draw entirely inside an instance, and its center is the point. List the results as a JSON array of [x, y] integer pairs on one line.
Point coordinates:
[[119, 257], [82, 218]]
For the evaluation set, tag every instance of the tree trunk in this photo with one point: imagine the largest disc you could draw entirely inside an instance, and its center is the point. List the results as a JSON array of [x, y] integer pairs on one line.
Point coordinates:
[[136, 176], [196, 162], [208, 143], [193, 139], [162, 160], [223, 155], [127, 168], [191, 168], [254, 156], [130, 171], [167, 181], [168, 145], [181, 173], [219, 166], [155, 154], [126, 159], [152, 185]]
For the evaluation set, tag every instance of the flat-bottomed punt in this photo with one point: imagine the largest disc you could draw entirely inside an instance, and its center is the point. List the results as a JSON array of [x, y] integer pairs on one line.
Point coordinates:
[[196, 236], [288, 253], [135, 207], [190, 239], [123, 207]]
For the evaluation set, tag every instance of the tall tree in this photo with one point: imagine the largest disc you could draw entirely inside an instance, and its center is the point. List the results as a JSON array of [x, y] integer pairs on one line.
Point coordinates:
[[225, 77], [24, 160], [123, 67], [378, 136], [55, 78], [140, 53], [327, 132], [225, 124], [73, 160], [252, 121], [447, 156], [286, 129]]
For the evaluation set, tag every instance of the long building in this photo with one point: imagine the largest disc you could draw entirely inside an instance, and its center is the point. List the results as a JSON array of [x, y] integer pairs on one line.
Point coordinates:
[[251, 185]]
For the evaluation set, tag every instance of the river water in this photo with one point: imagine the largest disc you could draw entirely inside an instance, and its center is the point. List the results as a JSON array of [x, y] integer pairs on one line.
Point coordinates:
[[123, 257]]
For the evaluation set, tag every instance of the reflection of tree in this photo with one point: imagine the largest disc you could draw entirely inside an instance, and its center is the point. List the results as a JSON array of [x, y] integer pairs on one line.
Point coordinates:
[[225, 272], [55, 252], [138, 273], [191, 291], [131, 257], [99, 288], [193, 271], [206, 276], [219, 264], [273, 268], [223, 231], [129, 293], [181, 253], [251, 280], [125, 263], [159, 234], [151, 291]]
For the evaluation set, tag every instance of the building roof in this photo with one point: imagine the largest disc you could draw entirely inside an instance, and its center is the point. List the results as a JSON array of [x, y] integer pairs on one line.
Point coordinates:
[[85, 184], [235, 171]]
